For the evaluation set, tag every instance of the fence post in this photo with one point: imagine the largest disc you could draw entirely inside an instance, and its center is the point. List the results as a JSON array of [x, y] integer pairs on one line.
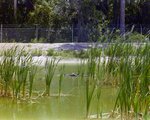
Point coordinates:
[[72, 33], [1, 32], [36, 32]]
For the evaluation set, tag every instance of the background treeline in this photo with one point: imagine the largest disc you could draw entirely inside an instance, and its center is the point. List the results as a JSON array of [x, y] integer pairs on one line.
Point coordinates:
[[80, 13], [57, 12]]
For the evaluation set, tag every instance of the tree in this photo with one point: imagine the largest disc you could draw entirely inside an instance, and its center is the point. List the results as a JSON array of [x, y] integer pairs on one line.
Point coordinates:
[[122, 17], [48, 12], [86, 15], [15, 10]]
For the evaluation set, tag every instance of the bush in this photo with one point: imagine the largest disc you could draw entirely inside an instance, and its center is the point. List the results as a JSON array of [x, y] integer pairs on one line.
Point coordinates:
[[50, 52], [36, 52]]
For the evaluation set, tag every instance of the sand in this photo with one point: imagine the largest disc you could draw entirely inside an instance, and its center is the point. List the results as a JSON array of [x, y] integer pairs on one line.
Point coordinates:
[[46, 46]]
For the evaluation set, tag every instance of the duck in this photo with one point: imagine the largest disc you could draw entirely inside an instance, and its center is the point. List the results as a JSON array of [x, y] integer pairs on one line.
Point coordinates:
[[73, 75]]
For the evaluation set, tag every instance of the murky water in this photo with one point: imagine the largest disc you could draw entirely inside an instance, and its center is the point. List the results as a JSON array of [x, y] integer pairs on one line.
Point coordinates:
[[72, 105]]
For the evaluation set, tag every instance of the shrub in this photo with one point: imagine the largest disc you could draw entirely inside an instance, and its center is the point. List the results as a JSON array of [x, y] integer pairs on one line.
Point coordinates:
[[50, 52]]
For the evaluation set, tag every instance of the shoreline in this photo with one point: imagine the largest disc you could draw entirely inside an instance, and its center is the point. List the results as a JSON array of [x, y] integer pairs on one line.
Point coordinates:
[[46, 46]]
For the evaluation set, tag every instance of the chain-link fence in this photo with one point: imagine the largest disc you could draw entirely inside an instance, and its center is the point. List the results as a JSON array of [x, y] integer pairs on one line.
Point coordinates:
[[69, 33]]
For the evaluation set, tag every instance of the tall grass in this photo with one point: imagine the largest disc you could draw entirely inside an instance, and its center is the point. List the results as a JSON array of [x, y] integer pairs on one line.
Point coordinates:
[[132, 72], [22, 68], [14, 70], [50, 67], [89, 94], [61, 70], [82, 69], [91, 82], [8, 68], [32, 73], [99, 83], [127, 67]]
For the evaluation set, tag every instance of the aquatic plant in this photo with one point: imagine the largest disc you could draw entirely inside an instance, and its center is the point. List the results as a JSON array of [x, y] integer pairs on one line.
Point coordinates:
[[50, 67], [61, 70], [36, 52], [89, 94], [8, 68], [82, 69], [21, 72], [90, 81], [50, 52], [132, 72], [32, 73], [99, 82]]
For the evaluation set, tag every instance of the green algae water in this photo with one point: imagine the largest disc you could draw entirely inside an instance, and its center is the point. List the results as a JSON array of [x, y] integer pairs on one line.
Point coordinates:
[[71, 104]]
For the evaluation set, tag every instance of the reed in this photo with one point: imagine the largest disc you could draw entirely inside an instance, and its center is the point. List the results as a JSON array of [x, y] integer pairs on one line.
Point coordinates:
[[61, 70], [26, 69], [99, 83], [1, 78], [98, 94], [8, 67], [90, 81], [82, 69], [18, 81], [32, 73], [50, 67], [14, 71], [20, 74], [89, 94], [133, 72]]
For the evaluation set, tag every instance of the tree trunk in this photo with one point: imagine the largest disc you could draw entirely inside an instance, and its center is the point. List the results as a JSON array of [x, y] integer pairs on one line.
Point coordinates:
[[122, 17], [29, 5], [115, 14], [15, 10], [79, 29]]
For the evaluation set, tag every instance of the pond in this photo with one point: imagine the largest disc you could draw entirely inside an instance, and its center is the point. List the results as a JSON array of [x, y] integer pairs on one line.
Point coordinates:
[[71, 105]]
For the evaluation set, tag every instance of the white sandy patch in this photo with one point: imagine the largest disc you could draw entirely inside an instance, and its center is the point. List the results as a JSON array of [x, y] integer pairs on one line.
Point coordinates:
[[46, 46]]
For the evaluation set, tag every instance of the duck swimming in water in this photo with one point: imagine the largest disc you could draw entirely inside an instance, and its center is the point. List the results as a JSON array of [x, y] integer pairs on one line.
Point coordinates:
[[73, 75]]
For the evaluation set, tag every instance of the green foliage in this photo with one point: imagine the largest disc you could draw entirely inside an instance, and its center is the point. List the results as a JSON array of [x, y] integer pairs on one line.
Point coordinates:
[[14, 72], [50, 67], [61, 70], [51, 14], [58, 12], [41, 40], [36, 52], [82, 69], [121, 49], [50, 52], [21, 73], [131, 70], [32, 73]]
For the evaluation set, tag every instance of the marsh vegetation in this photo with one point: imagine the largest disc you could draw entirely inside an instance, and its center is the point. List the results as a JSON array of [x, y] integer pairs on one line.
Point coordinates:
[[120, 66]]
